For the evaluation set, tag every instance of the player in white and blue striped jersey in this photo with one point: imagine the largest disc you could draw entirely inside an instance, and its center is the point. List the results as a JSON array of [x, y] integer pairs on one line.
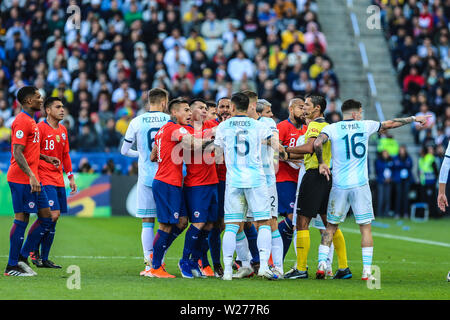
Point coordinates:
[[142, 130], [240, 139], [349, 146]]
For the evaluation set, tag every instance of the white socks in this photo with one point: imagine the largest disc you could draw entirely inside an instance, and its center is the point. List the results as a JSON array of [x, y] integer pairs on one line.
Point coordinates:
[[242, 251], [330, 256], [147, 236], [367, 255], [229, 246], [264, 243], [277, 249]]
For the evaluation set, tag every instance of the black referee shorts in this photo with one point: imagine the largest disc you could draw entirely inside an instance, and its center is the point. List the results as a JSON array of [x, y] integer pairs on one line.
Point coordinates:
[[313, 194]]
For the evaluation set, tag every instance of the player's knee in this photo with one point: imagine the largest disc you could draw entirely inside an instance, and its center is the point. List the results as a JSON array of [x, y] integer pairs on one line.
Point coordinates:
[[199, 225], [182, 223], [45, 213], [303, 223], [55, 215]]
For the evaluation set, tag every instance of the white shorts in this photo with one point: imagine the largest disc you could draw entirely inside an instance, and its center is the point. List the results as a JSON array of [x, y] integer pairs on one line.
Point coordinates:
[[359, 198], [146, 206], [240, 200], [273, 202]]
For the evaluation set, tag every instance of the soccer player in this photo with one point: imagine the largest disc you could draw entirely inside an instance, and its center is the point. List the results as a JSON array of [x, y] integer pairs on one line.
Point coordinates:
[[314, 191], [248, 239], [170, 141], [270, 161], [200, 194], [224, 112], [240, 140], [443, 177], [54, 143], [211, 111], [349, 142], [142, 130], [26, 189], [287, 176]]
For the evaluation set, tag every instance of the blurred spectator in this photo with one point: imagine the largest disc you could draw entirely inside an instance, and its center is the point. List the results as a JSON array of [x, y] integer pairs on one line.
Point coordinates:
[[402, 179], [388, 143], [109, 168], [384, 166], [111, 138], [5, 136], [428, 173], [84, 166], [133, 169], [88, 140]]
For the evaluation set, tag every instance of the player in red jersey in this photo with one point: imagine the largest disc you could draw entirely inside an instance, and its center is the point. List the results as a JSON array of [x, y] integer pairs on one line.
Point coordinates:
[[224, 112], [170, 141], [55, 143], [200, 194], [287, 176], [23, 179]]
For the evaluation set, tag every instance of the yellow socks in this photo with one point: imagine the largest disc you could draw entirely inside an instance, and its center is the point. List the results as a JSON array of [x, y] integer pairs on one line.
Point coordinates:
[[303, 244], [339, 246]]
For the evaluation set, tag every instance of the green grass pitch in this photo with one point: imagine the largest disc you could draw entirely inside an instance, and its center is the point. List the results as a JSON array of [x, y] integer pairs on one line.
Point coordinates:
[[108, 253]]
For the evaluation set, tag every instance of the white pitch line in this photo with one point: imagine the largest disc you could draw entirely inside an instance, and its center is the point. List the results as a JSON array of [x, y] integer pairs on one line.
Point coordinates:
[[390, 236]]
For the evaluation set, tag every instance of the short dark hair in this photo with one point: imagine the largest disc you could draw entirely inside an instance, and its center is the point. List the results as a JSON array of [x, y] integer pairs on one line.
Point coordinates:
[[222, 99], [174, 103], [25, 92], [241, 101], [155, 95], [48, 101], [250, 94], [350, 104], [319, 100], [197, 100], [210, 104]]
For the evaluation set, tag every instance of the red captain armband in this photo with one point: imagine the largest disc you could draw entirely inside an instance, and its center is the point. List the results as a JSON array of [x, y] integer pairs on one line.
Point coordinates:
[[69, 175]]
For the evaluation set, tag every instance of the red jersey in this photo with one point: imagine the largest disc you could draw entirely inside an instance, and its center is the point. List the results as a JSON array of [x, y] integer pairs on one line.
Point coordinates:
[[200, 167], [54, 143], [170, 161], [24, 131], [288, 135], [221, 168]]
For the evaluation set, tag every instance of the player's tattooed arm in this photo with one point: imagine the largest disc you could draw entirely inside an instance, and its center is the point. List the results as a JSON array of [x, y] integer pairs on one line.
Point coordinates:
[[23, 165], [153, 155], [318, 146], [218, 154], [191, 143], [398, 122]]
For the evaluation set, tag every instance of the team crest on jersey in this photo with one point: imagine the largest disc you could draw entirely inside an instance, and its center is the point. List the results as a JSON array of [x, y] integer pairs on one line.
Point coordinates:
[[183, 130], [19, 134], [176, 215], [51, 202], [58, 139], [63, 136], [196, 214], [291, 205], [31, 205]]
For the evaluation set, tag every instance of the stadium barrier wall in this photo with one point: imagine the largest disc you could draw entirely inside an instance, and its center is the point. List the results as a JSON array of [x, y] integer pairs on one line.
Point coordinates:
[[93, 199]]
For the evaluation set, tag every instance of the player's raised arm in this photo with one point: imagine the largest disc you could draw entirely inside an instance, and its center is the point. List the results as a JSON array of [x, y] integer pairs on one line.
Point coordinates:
[[23, 165], [398, 122]]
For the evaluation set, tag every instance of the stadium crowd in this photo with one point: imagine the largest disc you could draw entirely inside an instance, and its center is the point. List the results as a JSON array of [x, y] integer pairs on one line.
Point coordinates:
[[103, 67]]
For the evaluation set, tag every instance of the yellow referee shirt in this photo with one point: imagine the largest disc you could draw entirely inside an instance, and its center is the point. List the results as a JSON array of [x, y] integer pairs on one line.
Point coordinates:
[[314, 129]]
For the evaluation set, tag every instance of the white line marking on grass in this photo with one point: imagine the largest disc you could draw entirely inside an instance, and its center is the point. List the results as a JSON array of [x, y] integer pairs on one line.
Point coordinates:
[[390, 236]]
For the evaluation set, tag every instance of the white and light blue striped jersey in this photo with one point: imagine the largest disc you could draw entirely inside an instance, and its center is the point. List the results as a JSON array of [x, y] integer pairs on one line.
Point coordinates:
[[143, 129], [447, 152], [349, 148], [267, 152], [241, 139]]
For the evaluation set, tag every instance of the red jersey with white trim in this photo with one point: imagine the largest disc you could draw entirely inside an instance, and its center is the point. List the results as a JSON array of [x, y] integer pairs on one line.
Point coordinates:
[[200, 166], [170, 153], [288, 135], [221, 168], [54, 143], [24, 131]]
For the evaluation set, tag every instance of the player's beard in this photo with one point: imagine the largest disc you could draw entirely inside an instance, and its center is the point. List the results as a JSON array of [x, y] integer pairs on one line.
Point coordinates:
[[224, 116], [299, 120]]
